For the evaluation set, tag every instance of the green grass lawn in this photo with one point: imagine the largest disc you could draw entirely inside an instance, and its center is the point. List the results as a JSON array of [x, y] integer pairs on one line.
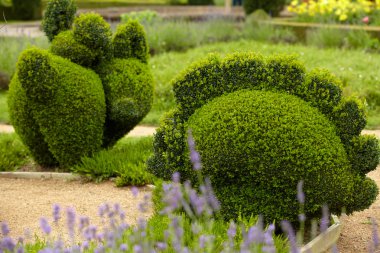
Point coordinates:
[[357, 69]]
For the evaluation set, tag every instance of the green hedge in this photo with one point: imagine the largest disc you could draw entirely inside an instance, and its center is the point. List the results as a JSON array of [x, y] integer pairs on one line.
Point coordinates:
[[79, 97], [129, 96], [263, 124], [67, 107], [59, 16], [273, 7]]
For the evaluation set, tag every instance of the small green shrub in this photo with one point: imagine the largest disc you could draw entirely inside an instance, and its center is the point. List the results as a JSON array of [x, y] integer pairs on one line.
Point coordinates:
[[146, 17], [126, 161], [261, 125], [200, 2], [272, 7], [130, 41], [26, 10], [59, 16], [13, 154]]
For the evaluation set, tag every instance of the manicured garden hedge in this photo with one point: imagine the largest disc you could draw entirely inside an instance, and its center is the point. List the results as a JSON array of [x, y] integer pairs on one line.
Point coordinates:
[[82, 95], [261, 125]]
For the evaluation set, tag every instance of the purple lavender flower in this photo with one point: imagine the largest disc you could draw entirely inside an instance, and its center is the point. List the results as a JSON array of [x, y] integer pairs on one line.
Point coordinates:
[[300, 193], [20, 250], [8, 244], [70, 213], [194, 155], [231, 232], [375, 234], [56, 212], [287, 228], [85, 245], [302, 217], [176, 177], [44, 225], [138, 249], [4, 229], [135, 191], [83, 223], [99, 249], [123, 247], [325, 219], [161, 246]]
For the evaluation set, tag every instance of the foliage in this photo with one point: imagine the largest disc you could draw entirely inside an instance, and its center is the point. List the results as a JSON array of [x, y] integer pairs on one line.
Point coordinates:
[[64, 111], [4, 81], [66, 46], [356, 12], [49, 117], [130, 41], [146, 17], [13, 154], [59, 16], [272, 7], [125, 161], [92, 31], [200, 2], [26, 10], [129, 96], [233, 107]]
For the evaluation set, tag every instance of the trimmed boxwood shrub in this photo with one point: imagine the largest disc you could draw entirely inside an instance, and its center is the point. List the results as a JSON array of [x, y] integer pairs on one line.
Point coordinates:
[[67, 107], [130, 41], [78, 97], [26, 10], [201, 2], [66, 46], [273, 7], [59, 16], [261, 125], [128, 89]]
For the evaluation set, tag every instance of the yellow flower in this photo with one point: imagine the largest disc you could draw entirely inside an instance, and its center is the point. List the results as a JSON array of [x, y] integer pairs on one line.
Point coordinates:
[[343, 17]]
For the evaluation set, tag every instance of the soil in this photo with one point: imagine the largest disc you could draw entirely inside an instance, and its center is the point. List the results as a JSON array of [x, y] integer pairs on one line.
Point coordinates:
[[24, 201]]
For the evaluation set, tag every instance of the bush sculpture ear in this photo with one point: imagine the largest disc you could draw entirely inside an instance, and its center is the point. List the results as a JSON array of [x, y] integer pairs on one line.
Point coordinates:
[[59, 17], [261, 125], [130, 41]]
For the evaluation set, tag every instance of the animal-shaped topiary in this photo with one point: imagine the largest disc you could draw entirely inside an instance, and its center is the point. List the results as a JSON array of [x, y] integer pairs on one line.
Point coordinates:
[[85, 93], [261, 125]]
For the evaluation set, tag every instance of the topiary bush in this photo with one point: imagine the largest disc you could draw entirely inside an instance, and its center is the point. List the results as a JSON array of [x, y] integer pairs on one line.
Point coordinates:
[[200, 2], [26, 10], [70, 101], [59, 16], [272, 7], [261, 125]]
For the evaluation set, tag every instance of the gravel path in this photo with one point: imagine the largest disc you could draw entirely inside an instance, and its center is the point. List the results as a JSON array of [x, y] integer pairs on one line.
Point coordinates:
[[25, 201]]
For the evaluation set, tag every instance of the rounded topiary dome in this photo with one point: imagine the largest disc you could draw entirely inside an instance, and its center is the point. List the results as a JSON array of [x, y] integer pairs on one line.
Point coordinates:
[[261, 125]]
